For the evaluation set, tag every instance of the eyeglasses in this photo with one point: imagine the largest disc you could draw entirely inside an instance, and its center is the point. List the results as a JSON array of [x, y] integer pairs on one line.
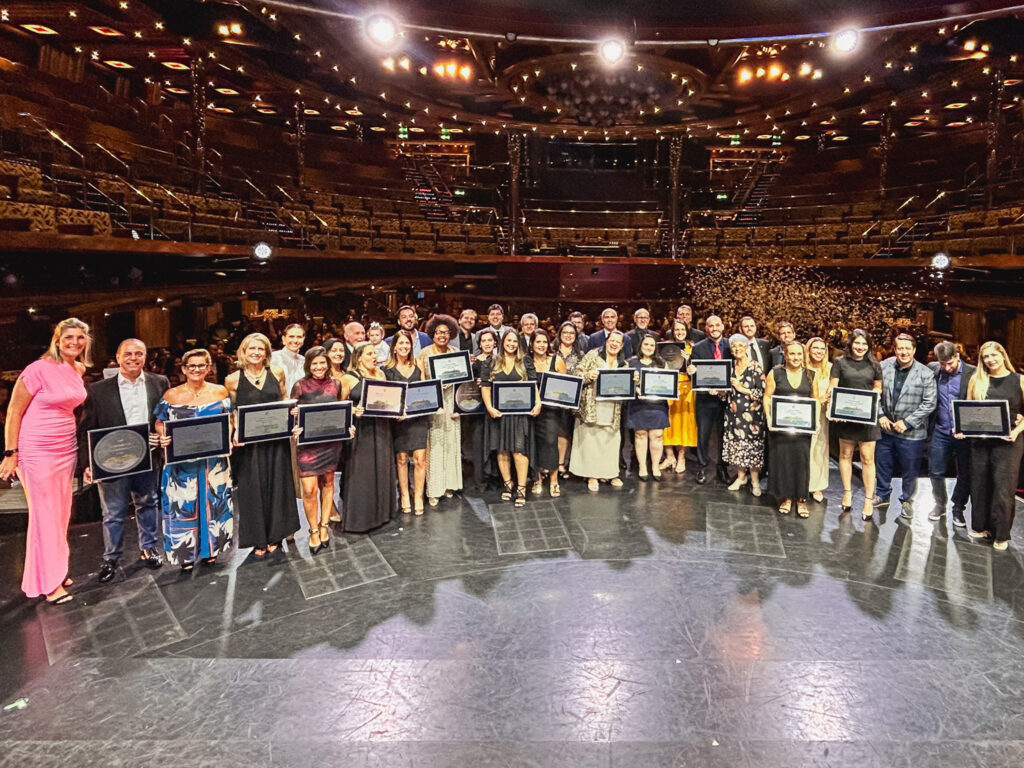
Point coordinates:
[[197, 366]]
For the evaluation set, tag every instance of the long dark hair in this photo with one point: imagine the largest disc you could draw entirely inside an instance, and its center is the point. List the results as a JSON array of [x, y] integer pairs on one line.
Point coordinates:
[[657, 360], [328, 345], [577, 347], [312, 354], [392, 360]]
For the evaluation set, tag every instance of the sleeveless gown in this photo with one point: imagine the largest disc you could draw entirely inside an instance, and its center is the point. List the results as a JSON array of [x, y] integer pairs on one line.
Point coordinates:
[[789, 471], [264, 490]]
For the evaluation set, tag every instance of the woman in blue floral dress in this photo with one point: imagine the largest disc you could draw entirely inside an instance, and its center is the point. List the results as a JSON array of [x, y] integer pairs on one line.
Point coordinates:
[[196, 495]]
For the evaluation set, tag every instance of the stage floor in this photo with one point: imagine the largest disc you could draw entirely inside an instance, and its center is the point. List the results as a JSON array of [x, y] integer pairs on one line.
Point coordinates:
[[662, 625]]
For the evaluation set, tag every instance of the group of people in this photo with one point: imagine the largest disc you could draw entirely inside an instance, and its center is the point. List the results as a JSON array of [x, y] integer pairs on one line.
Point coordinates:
[[392, 466]]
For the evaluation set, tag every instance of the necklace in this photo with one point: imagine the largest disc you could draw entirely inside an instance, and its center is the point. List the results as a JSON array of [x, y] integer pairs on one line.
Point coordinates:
[[196, 393], [257, 381]]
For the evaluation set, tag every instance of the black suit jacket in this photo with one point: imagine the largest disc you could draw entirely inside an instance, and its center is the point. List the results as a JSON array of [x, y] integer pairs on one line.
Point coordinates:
[[695, 335], [777, 357], [102, 408]]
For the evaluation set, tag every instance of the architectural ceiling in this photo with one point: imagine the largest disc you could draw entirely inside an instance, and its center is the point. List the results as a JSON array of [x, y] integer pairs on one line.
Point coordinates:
[[756, 71]]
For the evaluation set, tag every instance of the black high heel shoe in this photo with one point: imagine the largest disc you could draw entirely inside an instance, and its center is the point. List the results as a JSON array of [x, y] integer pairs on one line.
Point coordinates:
[[325, 538], [847, 508]]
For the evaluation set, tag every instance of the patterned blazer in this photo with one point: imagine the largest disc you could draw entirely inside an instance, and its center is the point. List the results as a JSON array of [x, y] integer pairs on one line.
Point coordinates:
[[916, 402]]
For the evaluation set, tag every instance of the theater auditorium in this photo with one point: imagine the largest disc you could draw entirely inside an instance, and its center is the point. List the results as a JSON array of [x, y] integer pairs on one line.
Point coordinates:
[[520, 384]]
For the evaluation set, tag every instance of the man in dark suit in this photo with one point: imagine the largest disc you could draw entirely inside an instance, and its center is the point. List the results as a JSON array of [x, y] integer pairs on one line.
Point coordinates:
[[609, 321], [951, 378], [785, 333], [641, 328], [127, 398], [760, 349], [711, 405]]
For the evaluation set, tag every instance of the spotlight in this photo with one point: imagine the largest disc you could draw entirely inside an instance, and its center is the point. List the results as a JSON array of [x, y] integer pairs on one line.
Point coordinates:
[[382, 30], [612, 51], [262, 251], [845, 40], [940, 261], [511, 37]]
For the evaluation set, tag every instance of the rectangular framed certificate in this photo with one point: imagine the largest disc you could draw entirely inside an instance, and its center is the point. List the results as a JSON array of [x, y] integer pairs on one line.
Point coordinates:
[[513, 396], [265, 421], [451, 367], [468, 400], [204, 437], [981, 418], [796, 415], [324, 422], [615, 385], [857, 405], [383, 399], [561, 390], [119, 451], [658, 384], [423, 397], [673, 353], [711, 375]]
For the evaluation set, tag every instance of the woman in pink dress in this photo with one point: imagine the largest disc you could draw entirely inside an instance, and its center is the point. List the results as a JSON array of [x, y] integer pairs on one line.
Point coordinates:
[[41, 450]]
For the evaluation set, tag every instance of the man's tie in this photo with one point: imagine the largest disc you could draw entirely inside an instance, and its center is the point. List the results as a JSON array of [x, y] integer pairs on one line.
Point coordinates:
[[718, 351]]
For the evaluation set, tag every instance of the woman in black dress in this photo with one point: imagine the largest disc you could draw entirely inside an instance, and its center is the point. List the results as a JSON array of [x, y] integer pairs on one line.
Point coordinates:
[[647, 418], [570, 351], [337, 355], [264, 490], [318, 462], [409, 435], [996, 463], [510, 435], [789, 472], [547, 427], [857, 368], [370, 497], [485, 472]]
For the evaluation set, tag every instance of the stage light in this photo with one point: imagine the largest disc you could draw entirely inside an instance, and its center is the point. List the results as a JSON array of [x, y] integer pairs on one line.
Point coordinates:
[[845, 40], [262, 251], [382, 30], [940, 261], [465, 72], [612, 51], [805, 69]]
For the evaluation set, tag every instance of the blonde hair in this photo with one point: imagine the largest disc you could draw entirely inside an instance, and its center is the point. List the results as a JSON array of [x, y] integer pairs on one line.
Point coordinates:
[[53, 351], [824, 371], [248, 341], [980, 380]]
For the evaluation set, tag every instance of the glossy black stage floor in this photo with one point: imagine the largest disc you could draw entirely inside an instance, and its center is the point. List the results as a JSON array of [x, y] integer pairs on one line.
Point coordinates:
[[663, 625]]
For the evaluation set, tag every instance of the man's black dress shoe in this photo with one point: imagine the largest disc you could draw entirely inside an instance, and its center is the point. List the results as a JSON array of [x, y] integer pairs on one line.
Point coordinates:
[[107, 571], [151, 558], [702, 477]]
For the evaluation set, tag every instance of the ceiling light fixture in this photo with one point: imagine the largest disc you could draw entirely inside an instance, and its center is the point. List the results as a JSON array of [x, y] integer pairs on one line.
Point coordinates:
[[382, 30], [612, 51], [845, 40]]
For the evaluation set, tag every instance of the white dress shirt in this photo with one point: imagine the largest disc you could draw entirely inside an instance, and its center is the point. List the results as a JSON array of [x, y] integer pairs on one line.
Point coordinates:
[[133, 399], [292, 363], [755, 354]]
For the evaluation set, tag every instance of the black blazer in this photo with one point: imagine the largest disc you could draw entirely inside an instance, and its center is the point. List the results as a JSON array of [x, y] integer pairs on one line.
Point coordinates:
[[634, 337], [102, 408], [695, 335], [777, 357]]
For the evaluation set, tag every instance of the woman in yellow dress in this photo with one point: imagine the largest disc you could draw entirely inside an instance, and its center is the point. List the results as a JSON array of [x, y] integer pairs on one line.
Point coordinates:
[[682, 414]]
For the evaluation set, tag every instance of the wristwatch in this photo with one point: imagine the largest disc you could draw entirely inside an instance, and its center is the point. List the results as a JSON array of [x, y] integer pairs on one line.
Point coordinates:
[[10, 452]]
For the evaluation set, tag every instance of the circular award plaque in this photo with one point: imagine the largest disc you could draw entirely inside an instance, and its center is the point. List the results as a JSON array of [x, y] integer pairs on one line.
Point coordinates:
[[118, 452], [672, 354], [467, 396]]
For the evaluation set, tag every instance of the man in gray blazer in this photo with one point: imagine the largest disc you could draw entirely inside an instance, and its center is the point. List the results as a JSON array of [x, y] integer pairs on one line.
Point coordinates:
[[127, 398], [908, 400], [951, 378]]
